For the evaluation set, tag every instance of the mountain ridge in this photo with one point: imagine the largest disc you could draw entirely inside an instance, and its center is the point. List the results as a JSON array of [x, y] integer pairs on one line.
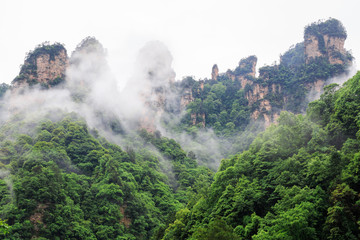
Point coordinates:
[[166, 159]]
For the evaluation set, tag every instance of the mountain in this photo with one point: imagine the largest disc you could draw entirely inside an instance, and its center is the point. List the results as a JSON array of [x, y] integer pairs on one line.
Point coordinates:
[[243, 155], [302, 68], [297, 180], [45, 65]]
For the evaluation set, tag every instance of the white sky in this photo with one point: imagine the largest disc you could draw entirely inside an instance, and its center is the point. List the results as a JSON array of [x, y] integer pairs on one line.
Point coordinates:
[[198, 33]]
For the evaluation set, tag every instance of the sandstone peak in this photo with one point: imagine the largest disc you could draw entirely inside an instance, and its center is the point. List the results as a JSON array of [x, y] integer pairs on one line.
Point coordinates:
[[45, 65], [247, 66], [214, 72], [90, 45], [326, 39], [331, 27]]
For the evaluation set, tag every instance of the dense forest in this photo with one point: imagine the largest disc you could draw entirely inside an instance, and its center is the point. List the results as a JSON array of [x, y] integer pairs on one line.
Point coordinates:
[[72, 167], [298, 180]]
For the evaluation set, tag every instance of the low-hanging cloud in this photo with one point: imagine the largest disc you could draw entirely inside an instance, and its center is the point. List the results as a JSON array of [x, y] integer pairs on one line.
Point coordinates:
[[92, 91], [316, 91]]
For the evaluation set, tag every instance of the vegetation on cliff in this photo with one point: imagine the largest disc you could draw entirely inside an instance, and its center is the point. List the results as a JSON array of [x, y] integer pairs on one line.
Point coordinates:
[[28, 71], [331, 27], [229, 102], [298, 180]]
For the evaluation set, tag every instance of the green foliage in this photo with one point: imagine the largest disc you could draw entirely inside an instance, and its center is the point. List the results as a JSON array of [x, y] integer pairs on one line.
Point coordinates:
[[294, 57], [45, 48], [245, 65], [331, 27], [66, 184], [4, 227], [3, 88], [298, 179], [293, 79], [224, 105]]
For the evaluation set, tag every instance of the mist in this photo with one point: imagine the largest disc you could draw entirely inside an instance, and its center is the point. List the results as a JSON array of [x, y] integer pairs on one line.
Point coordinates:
[[92, 92], [5, 175], [314, 93], [148, 101]]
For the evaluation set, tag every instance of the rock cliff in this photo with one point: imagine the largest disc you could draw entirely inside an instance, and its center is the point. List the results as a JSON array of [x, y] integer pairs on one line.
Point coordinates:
[[46, 65], [326, 39], [323, 43], [186, 98], [214, 72], [303, 69], [198, 118]]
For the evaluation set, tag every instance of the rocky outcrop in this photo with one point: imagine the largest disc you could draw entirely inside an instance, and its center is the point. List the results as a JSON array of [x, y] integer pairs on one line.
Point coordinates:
[[37, 217], [186, 98], [335, 49], [197, 118], [247, 66], [316, 86], [124, 220], [311, 48], [230, 74], [321, 40], [326, 39], [201, 85], [246, 71], [256, 93], [46, 65], [214, 72], [48, 70], [329, 47]]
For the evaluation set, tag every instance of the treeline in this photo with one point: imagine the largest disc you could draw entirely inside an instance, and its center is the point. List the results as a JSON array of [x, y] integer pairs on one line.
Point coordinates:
[[60, 182]]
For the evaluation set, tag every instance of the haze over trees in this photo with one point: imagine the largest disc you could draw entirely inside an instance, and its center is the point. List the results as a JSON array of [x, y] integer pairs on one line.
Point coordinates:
[[238, 156]]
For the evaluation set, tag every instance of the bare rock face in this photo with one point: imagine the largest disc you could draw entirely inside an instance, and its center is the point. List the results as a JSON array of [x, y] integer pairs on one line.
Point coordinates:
[[186, 98], [214, 72], [311, 48], [46, 65], [198, 118], [38, 215], [230, 75], [256, 93], [265, 111], [202, 84], [335, 49], [316, 86]]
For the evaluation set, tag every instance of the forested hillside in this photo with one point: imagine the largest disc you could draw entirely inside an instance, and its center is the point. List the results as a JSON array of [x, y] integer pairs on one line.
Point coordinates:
[[298, 180], [242, 155], [67, 184]]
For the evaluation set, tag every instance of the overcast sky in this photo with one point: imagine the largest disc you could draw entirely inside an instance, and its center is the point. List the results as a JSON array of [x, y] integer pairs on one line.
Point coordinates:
[[198, 33]]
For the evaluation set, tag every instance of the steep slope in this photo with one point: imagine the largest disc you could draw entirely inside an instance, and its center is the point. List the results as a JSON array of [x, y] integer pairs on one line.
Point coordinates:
[[67, 184], [64, 175], [60, 179], [298, 180]]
